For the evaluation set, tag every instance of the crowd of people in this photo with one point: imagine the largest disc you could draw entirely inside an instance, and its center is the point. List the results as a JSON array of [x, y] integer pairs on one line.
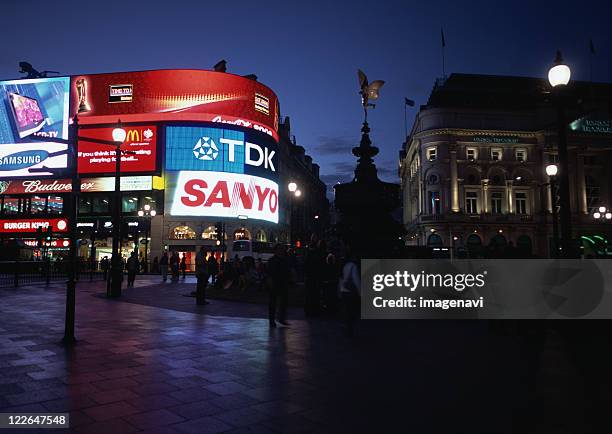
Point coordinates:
[[330, 286]]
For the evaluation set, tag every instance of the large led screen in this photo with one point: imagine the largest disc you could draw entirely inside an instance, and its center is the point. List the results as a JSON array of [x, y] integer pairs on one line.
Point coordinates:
[[33, 108], [140, 142], [175, 95], [221, 150], [219, 194]]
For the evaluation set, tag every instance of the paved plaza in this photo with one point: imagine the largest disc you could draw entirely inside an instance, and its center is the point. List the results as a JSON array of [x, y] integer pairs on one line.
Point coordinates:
[[155, 362]]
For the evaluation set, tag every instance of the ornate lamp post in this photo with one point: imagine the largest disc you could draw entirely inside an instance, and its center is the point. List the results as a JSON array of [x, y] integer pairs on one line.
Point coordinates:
[[148, 213], [294, 191], [558, 77], [119, 135], [551, 171], [603, 214]]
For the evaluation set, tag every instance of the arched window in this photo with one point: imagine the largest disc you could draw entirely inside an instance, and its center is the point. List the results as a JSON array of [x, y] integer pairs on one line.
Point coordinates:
[[499, 241], [242, 234], [474, 244], [523, 244], [210, 233], [260, 235], [435, 240], [182, 233]]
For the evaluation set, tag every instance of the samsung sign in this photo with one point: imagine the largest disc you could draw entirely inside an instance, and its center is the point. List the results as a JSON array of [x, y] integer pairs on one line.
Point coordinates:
[[221, 150]]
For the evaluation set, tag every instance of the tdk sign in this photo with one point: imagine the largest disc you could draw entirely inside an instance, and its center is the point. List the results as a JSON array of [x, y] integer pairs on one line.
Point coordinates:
[[220, 150]]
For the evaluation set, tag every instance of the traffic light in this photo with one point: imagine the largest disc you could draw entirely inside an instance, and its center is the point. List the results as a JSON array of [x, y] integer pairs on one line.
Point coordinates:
[[219, 231], [49, 232], [39, 236]]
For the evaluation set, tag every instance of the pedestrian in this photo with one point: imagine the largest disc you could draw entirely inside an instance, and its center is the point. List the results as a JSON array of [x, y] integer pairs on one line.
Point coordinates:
[[104, 267], [331, 274], [184, 265], [212, 267], [278, 285], [155, 269], [132, 268], [201, 267], [315, 264], [174, 266], [350, 290], [163, 263], [143, 265]]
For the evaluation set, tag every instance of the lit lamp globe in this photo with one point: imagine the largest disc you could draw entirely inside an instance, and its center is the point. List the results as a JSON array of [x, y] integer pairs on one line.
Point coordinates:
[[147, 207], [140, 213], [602, 209], [559, 74], [298, 193], [551, 170], [153, 213], [119, 135], [597, 215], [608, 215], [292, 186]]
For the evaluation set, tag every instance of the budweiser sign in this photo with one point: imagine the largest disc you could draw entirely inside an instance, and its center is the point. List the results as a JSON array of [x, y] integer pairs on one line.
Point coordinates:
[[34, 186]]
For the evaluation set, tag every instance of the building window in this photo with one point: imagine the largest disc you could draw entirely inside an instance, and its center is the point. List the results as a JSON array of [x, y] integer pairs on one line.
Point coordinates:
[[183, 233], [11, 205], [471, 202], [38, 204], [101, 204], [242, 234], [434, 202], [84, 205], [521, 155], [129, 204], [260, 235], [496, 202], [496, 154], [55, 205], [432, 153], [210, 233], [521, 202], [471, 154]]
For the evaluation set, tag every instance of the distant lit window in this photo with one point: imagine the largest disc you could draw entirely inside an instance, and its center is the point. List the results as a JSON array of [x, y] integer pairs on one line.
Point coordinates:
[[432, 153], [38, 204], [11, 205], [471, 154], [471, 202], [242, 234], [55, 205], [260, 235], [182, 233], [85, 205], [210, 233], [101, 204], [129, 203], [521, 202], [434, 202], [496, 202], [496, 154], [521, 155]]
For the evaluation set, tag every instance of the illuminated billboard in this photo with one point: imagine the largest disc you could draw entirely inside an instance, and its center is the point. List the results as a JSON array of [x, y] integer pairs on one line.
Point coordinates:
[[221, 150], [31, 225], [220, 194], [175, 95], [33, 108], [98, 158]]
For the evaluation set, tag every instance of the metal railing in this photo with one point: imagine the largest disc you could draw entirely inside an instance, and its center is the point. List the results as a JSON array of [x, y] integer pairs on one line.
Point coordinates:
[[22, 273]]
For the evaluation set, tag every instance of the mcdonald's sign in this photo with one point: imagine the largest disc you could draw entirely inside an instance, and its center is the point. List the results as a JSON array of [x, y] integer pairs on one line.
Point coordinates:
[[140, 140]]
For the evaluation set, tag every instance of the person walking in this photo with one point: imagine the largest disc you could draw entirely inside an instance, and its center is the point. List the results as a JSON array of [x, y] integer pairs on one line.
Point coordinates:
[[212, 267], [279, 277], [174, 266], [350, 290], [132, 268], [201, 267], [104, 267], [163, 263], [184, 265], [155, 269]]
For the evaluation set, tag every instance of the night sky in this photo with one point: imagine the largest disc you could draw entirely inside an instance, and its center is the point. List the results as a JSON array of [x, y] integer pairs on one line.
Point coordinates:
[[309, 52]]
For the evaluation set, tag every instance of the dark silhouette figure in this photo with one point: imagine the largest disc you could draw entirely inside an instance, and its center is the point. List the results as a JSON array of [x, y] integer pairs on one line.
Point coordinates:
[[331, 274], [315, 264], [155, 265], [201, 267], [174, 266], [184, 265], [278, 284], [350, 290], [213, 268], [132, 268], [104, 266], [163, 263]]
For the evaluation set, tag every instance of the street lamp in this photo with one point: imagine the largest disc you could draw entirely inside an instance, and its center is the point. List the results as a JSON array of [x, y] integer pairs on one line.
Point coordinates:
[[558, 77], [602, 214], [294, 191], [114, 289], [551, 171], [148, 213]]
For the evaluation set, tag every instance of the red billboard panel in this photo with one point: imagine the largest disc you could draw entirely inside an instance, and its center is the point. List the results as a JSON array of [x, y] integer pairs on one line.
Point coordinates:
[[31, 225], [140, 141], [174, 95]]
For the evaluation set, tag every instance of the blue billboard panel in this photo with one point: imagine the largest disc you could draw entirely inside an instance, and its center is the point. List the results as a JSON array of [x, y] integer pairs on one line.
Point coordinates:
[[220, 150], [33, 108]]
